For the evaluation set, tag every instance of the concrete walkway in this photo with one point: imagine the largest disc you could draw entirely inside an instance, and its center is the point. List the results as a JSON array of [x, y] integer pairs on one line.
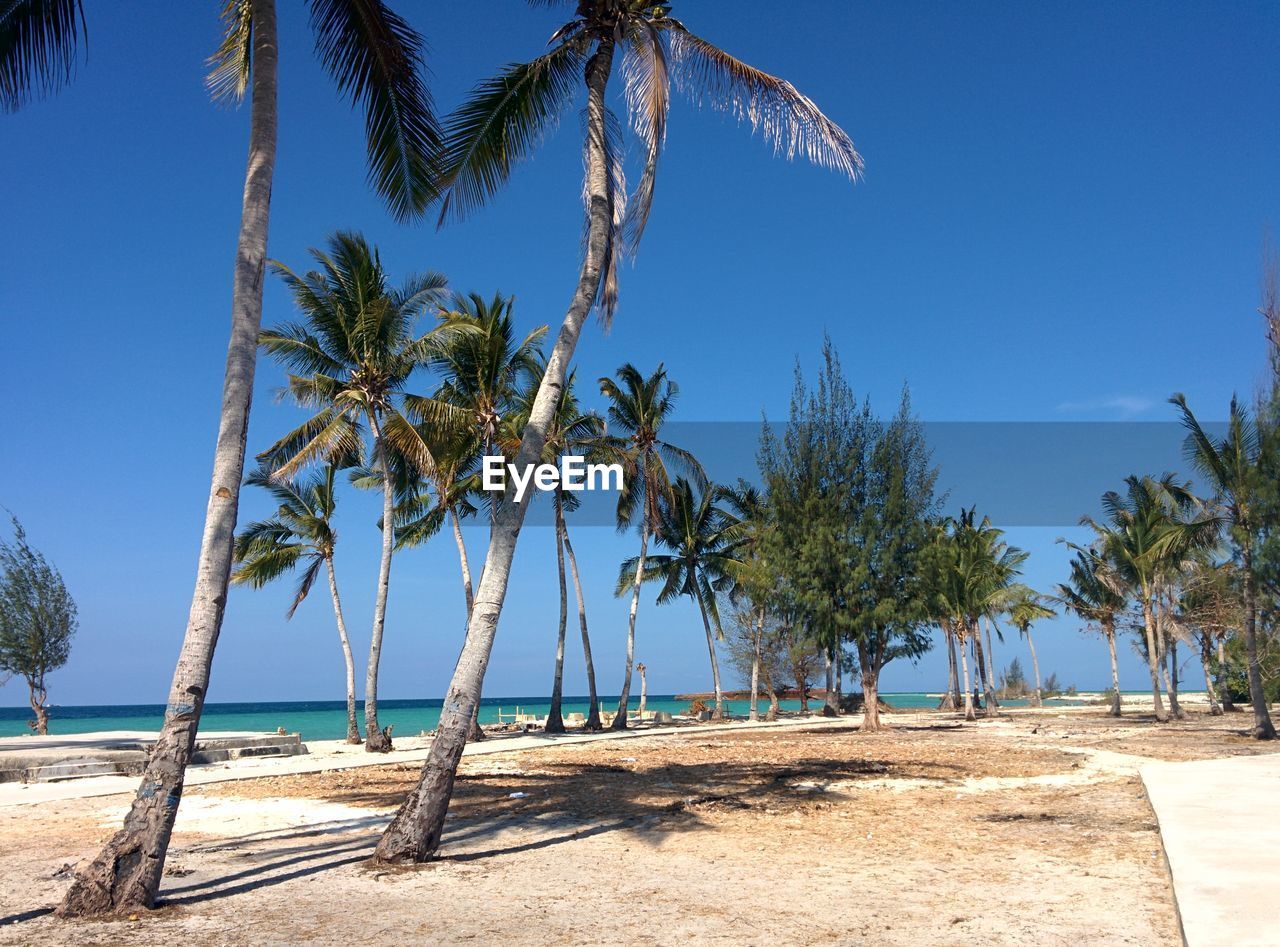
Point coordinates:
[[1217, 820], [325, 755]]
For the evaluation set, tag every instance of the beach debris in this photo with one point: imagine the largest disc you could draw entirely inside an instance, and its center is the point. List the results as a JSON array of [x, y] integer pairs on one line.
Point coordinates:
[[627, 759], [178, 871], [66, 869], [517, 795]]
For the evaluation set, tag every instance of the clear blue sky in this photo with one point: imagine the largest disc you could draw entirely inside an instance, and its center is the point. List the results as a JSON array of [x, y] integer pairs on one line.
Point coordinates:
[[1060, 220]]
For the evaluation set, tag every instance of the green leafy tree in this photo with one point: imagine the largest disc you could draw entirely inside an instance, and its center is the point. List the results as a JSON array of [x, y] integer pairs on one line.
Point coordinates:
[[1098, 597], [1230, 465], [499, 126], [698, 535], [1149, 533], [1025, 610], [349, 360], [299, 534], [38, 619], [890, 556], [375, 59], [639, 406]]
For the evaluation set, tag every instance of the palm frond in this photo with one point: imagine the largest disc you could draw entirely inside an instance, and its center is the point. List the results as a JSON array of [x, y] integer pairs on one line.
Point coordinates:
[[787, 119], [38, 40], [375, 57], [231, 64], [501, 123], [648, 90]]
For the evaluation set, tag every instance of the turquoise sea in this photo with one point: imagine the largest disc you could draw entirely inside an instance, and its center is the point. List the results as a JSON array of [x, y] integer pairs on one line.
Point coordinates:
[[326, 719]]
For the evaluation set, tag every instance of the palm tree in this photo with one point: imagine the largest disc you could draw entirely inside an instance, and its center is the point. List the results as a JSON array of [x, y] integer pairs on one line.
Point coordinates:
[[1209, 607], [1147, 536], [1095, 594], [747, 517], [300, 533], [694, 528], [640, 406], [973, 580], [1024, 610], [571, 433], [354, 350], [1229, 464], [496, 128], [375, 58]]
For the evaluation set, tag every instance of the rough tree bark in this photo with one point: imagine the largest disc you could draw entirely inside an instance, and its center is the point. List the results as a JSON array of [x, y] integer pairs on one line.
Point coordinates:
[[969, 713], [593, 715], [870, 688], [1035, 668], [951, 699], [1206, 646], [414, 833], [715, 664], [555, 718], [829, 706], [126, 874], [38, 698], [1153, 658], [1263, 729], [376, 738], [353, 727], [1109, 632]]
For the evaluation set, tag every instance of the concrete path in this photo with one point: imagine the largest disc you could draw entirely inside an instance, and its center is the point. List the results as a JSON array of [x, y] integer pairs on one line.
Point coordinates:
[[1217, 820], [327, 755]]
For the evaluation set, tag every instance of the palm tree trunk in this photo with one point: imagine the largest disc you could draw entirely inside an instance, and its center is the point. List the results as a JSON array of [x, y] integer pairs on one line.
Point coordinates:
[[414, 834], [968, 693], [1206, 645], [983, 672], [555, 719], [377, 739], [1110, 633], [1228, 704], [1263, 729], [463, 561], [951, 699], [1174, 707], [1153, 658], [620, 720], [715, 664], [755, 669], [353, 728], [593, 714], [126, 874], [1035, 668]]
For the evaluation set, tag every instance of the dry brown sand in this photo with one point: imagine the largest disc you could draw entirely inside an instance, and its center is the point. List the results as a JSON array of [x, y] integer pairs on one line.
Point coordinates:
[[1031, 829]]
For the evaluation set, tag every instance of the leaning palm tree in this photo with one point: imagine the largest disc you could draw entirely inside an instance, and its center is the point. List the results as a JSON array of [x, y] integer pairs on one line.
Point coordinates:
[[375, 58], [1229, 464], [300, 533], [572, 433], [496, 128], [1098, 597], [640, 406], [1148, 535], [697, 533], [353, 352], [1025, 609]]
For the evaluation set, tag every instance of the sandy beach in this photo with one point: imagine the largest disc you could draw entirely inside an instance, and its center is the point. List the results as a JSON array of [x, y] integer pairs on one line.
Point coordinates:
[[1032, 828]]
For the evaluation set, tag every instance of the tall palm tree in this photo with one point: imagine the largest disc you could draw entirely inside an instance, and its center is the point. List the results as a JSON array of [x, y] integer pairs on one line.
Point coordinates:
[[1229, 464], [499, 126], [572, 433], [747, 515], [1148, 535], [1024, 610], [375, 58], [300, 533], [1095, 594], [354, 351], [974, 579], [640, 406], [697, 532]]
